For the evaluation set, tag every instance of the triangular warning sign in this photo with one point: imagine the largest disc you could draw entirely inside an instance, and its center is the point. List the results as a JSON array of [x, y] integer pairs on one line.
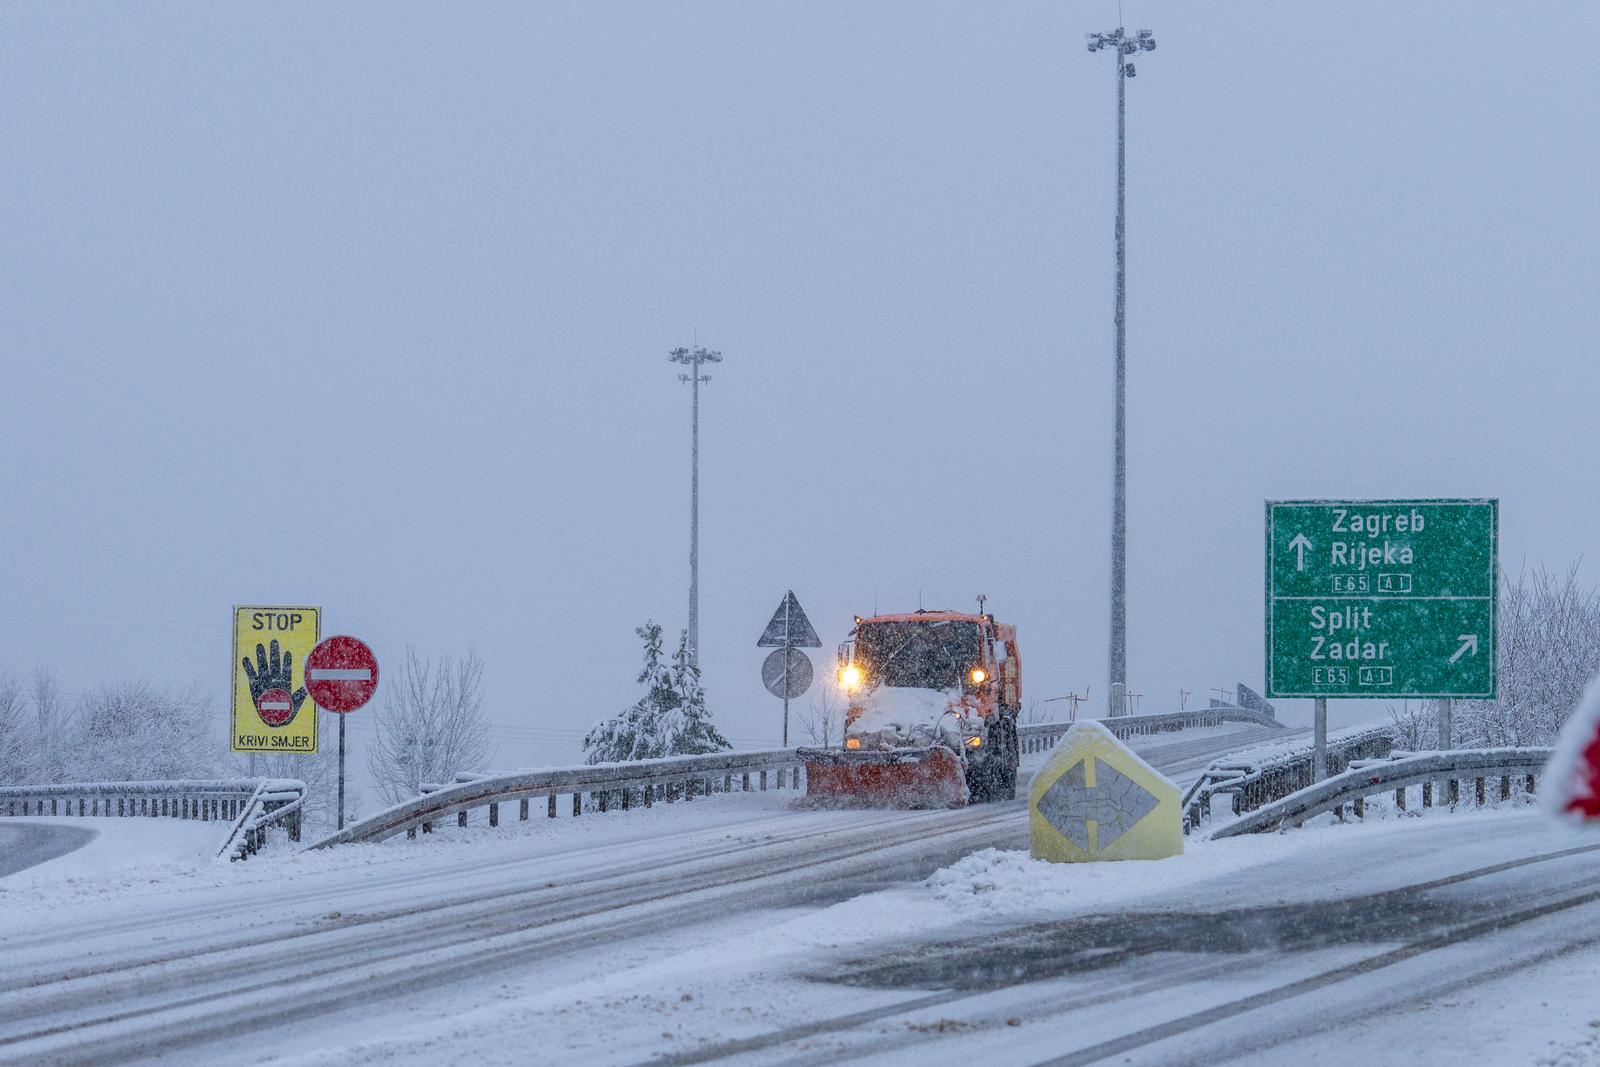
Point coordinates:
[[789, 627]]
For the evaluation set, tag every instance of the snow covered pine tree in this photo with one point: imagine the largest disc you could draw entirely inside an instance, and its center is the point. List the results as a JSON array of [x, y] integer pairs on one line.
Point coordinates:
[[689, 731], [670, 719]]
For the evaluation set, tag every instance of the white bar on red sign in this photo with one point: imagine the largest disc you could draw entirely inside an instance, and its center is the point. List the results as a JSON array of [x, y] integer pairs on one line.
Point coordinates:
[[341, 674]]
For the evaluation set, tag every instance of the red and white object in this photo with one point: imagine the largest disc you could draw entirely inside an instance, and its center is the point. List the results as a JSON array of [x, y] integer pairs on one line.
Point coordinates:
[[341, 674], [1572, 778]]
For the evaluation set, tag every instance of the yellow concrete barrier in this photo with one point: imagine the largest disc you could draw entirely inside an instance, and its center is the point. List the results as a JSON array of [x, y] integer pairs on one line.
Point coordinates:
[[1096, 799]]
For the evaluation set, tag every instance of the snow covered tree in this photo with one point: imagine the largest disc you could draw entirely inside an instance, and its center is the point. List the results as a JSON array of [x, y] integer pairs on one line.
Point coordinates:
[[430, 727], [1547, 650], [135, 732], [49, 726], [689, 728], [670, 719], [14, 740], [640, 731], [823, 719]]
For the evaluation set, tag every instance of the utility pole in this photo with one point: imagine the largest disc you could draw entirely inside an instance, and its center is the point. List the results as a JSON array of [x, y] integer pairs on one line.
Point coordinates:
[[692, 359], [1183, 699], [1121, 45]]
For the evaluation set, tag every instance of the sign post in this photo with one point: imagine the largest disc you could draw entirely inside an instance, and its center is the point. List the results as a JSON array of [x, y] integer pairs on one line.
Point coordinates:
[[1381, 599], [341, 676], [787, 672]]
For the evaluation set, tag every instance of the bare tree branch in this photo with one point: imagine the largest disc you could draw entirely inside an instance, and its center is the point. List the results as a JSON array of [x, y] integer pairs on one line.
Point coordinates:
[[430, 727]]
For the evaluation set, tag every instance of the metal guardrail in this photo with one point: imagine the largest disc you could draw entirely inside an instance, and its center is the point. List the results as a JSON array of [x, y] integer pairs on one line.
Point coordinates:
[[645, 782], [625, 785], [252, 805], [1041, 736], [275, 802], [1512, 767], [205, 800], [1255, 781]]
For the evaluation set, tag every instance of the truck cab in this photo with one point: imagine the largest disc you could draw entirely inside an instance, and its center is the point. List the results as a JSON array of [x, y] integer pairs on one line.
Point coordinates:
[[935, 680]]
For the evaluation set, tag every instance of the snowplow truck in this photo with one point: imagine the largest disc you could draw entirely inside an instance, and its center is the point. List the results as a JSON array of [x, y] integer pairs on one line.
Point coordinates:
[[931, 719]]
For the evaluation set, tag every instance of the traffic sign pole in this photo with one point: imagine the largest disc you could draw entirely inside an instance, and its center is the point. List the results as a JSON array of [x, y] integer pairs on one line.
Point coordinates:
[[341, 676], [341, 772], [787, 672], [1319, 741]]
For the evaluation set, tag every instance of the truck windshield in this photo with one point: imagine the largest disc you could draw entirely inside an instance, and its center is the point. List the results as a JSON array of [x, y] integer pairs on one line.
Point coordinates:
[[919, 655]]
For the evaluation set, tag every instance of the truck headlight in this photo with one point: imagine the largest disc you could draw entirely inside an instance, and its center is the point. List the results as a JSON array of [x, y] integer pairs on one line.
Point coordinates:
[[979, 676], [851, 678]]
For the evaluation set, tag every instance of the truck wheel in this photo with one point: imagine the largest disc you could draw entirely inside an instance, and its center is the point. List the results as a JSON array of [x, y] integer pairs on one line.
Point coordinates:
[[978, 782], [1005, 787]]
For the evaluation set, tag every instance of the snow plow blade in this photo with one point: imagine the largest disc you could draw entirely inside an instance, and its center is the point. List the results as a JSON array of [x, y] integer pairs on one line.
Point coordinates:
[[929, 777]]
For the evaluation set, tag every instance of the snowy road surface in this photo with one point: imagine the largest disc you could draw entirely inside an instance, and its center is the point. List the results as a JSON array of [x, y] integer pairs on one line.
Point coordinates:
[[741, 930], [22, 845]]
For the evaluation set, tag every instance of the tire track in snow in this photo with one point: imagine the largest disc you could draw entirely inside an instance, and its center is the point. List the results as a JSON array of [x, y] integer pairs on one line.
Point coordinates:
[[1542, 901], [581, 913]]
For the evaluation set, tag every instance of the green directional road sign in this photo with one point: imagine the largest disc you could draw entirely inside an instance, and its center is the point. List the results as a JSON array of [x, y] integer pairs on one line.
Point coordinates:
[[1382, 598]]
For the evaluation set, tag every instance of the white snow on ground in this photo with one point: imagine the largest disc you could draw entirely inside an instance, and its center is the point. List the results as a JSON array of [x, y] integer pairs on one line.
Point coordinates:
[[1013, 885], [148, 850], [636, 988], [751, 975], [135, 859]]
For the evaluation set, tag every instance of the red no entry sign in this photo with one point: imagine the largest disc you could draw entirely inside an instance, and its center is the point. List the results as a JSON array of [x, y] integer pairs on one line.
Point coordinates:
[[341, 674]]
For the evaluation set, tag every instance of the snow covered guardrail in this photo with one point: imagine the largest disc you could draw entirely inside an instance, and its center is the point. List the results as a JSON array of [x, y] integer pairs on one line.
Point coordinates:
[[640, 783], [1513, 769], [1261, 775], [1042, 736], [205, 800], [275, 802]]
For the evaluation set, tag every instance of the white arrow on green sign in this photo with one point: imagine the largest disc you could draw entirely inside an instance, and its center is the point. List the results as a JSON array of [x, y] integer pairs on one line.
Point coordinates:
[[1382, 598]]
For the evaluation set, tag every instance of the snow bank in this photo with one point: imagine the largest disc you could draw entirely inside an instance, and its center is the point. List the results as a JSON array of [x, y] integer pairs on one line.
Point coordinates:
[[1006, 884], [119, 846], [134, 862]]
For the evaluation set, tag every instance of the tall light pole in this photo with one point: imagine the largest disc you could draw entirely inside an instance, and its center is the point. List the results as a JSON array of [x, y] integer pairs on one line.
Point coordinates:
[[693, 358], [1122, 46]]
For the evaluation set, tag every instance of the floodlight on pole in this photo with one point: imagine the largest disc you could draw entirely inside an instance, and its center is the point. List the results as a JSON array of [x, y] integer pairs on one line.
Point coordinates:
[[693, 358], [1122, 45]]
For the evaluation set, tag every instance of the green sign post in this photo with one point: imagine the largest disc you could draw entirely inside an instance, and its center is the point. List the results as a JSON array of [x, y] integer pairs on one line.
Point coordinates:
[[1382, 598]]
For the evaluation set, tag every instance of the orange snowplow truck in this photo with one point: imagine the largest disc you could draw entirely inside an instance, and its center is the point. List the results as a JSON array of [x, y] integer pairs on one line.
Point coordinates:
[[932, 714]]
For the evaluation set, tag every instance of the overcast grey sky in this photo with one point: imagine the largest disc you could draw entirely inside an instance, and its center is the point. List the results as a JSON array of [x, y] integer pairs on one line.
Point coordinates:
[[368, 306]]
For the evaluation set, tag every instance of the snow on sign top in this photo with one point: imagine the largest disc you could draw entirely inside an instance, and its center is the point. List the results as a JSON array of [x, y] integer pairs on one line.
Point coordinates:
[[341, 674], [789, 627]]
